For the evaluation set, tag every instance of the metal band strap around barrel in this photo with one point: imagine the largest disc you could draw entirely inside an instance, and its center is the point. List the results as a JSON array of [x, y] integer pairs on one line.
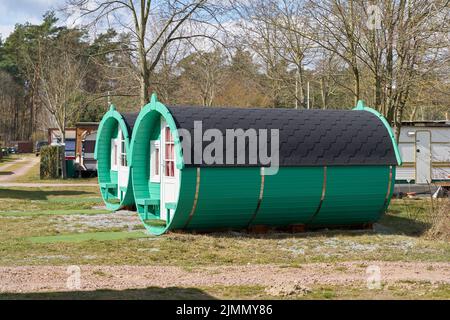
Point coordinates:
[[261, 194], [322, 198], [194, 205], [386, 199]]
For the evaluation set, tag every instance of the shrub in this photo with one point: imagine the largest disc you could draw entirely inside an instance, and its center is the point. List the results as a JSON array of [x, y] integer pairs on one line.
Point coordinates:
[[439, 220], [50, 167]]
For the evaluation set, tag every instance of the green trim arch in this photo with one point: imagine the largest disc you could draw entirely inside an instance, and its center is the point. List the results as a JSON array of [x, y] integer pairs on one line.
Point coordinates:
[[107, 178], [146, 192], [362, 107]]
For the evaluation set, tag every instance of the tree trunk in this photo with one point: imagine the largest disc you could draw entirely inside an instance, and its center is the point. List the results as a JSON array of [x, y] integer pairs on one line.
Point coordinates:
[[301, 87], [63, 162], [323, 93], [413, 114], [378, 93], [145, 77], [144, 87], [62, 130], [145, 70], [356, 84]]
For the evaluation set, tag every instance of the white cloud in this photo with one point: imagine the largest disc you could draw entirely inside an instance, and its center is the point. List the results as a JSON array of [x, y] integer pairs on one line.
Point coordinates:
[[5, 30], [21, 11]]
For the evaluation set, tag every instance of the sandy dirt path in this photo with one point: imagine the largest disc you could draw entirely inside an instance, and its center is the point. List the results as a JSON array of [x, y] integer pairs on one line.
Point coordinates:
[[5, 166], [48, 278], [28, 163]]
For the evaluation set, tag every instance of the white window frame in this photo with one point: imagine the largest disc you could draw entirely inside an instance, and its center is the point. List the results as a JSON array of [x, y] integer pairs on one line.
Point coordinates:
[[167, 160], [114, 160], [155, 144], [123, 151]]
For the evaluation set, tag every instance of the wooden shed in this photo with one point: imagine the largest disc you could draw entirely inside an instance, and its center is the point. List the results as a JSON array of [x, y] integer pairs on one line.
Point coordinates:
[[25, 146], [112, 151], [86, 135], [336, 167]]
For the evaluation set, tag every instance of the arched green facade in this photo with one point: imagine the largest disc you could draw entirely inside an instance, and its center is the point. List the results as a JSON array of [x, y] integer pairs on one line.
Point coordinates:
[[147, 127], [108, 178], [240, 197]]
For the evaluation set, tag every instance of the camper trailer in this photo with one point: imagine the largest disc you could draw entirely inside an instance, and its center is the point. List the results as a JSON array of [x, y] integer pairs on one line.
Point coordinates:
[[425, 151], [54, 138]]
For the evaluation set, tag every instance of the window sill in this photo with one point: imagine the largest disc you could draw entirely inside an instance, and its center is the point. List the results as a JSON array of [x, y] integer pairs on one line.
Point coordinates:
[[155, 179]]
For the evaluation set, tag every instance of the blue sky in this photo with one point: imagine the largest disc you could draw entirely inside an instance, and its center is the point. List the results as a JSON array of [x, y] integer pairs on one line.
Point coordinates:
[[21, 11]]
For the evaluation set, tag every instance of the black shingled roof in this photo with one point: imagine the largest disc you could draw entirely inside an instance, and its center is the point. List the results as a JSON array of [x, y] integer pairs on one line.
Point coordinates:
[[307, 137], [130, 119]]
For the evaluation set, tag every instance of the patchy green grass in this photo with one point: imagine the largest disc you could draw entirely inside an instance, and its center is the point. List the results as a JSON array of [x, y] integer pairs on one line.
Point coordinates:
[[409, 290], [190, 250], [58, 226], [155, 222], [26, 212], [33, 176], [407, 217], [86, 236], [49, 198], [55, 214], [412, 217], [12, 157], [10, 164], [10, 169]]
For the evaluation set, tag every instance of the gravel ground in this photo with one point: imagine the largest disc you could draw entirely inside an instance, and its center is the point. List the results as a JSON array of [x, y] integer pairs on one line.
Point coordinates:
[[124, 220], [50, 278]]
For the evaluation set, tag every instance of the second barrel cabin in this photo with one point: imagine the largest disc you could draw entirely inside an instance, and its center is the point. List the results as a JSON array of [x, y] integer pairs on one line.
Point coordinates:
[[112, 151], [330, 167]]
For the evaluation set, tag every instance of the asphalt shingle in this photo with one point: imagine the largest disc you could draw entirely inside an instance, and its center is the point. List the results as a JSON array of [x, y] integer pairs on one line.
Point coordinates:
[[130, 119], [307, 137]]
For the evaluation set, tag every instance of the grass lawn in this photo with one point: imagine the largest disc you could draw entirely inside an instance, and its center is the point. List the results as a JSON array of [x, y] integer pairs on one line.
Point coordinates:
[[86, 236], [48, 198], [63, 226], [36, 221], [12, 157]]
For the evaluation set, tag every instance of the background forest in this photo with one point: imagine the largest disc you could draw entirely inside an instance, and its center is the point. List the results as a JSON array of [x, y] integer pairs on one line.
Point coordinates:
[[245, 53]]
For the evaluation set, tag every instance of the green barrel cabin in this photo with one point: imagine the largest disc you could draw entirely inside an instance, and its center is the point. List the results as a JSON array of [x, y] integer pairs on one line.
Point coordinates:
[[112, 150], [335, 167]]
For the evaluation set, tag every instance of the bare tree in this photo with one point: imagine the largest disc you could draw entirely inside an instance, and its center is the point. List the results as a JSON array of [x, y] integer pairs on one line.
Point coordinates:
[[285, 19], [387, 48], [61, 78], [402, 50], [334, 27], [257, 32], [152, 25], [204, 75]]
